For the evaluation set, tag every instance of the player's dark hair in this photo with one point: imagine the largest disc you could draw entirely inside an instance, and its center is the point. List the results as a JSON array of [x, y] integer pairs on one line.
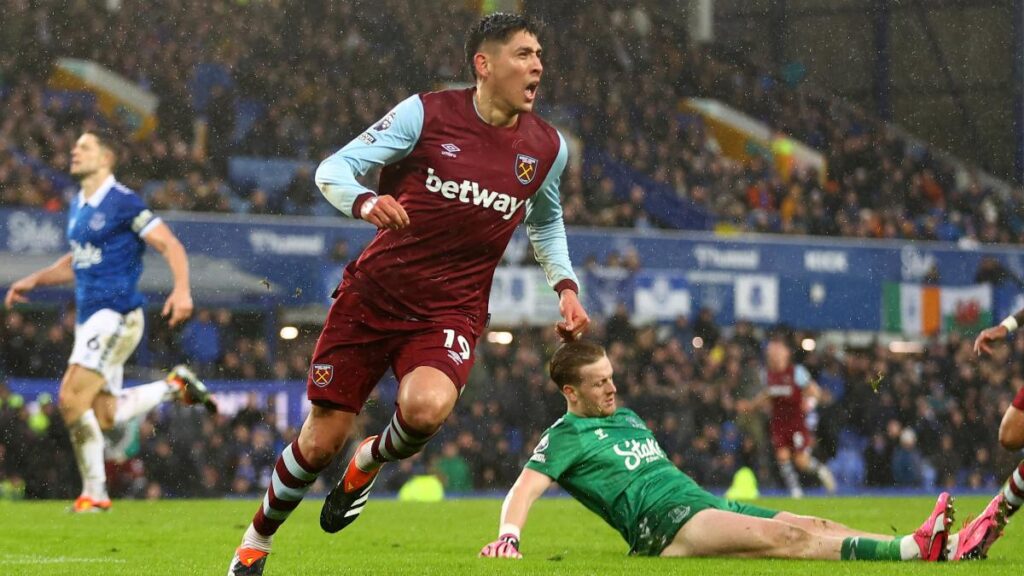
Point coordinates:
[[570, 357], [106, 139], [499, 26], [780, 332]]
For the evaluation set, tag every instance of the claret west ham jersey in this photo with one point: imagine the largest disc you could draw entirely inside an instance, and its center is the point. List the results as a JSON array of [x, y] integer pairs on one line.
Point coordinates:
[[466, 186], [786, 391]]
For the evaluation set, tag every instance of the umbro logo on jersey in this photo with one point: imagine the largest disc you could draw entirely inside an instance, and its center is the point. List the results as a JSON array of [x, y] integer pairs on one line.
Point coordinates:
[[469, 192], [450, 150]]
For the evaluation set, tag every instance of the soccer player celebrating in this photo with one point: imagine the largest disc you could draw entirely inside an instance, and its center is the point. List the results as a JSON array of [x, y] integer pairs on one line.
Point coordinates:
[[461, 170], [606, 458], [788, 389], [108, 229], [1011, 430]]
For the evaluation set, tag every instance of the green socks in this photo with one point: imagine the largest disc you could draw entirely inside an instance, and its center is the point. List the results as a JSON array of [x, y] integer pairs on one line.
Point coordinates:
[[869, 549]]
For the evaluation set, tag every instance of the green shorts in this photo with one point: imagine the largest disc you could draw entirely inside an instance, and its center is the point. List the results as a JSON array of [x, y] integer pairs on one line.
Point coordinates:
[[674, 507]]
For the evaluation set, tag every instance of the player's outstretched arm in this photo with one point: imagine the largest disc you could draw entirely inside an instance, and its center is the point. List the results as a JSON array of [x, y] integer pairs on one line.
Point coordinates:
[[60, 272], [760, 401], [813, 390], [528, 488], [178, 306], [982, 344], [998, 332]]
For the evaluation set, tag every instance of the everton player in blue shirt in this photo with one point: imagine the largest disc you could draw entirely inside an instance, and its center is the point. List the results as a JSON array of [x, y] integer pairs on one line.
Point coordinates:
[[108, 228]]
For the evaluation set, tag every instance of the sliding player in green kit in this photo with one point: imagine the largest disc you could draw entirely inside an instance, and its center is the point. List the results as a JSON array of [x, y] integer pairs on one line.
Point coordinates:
[[608, 460]]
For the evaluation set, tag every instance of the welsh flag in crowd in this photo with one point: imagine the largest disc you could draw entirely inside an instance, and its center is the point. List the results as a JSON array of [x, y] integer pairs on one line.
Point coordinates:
[[919, 310]]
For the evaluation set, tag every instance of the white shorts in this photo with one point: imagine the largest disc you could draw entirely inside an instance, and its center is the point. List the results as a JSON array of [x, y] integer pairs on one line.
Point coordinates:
[[104, 342]]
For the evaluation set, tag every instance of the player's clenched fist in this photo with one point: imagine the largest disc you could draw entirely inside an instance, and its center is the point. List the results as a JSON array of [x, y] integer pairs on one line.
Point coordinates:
[[384, 212], [505, 547]]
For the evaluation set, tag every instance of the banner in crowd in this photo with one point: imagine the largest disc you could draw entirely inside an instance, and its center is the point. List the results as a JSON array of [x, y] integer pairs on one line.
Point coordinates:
[[661, 296], [117, 97], [521, 295], [917, 309], [805, 282]]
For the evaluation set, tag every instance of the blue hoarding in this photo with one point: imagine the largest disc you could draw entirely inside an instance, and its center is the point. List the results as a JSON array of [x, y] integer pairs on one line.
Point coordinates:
[[807, 282]]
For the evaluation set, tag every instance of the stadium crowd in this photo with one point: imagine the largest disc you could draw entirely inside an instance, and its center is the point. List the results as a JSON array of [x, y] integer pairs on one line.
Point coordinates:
[[282, 88], [887, 419]]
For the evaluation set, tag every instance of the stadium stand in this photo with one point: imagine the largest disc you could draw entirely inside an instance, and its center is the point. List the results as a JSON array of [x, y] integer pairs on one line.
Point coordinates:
[[242, 134], [933, 424], [648, 162]]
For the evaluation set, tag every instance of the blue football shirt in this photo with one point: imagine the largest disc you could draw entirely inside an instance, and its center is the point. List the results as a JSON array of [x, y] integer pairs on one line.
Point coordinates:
[[106, 234]]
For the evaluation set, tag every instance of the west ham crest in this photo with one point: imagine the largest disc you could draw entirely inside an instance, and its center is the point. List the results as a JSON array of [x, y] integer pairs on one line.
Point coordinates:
[[526, 168], [322, 374]]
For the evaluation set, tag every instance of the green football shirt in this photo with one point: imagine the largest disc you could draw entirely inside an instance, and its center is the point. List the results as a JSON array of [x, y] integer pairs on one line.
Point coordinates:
[[612, 465]]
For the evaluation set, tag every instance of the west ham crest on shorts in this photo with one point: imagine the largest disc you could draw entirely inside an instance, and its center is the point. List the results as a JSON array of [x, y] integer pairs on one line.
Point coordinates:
[[526, 168], [322, 374]]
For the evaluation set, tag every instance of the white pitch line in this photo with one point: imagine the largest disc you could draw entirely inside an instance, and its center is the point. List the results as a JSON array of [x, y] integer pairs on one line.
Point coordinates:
[[30, 559]]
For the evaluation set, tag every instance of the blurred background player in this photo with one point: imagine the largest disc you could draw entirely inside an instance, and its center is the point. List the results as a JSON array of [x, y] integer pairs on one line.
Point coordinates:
[[789, 391], [461, 170], [108, 228], [611, 462]]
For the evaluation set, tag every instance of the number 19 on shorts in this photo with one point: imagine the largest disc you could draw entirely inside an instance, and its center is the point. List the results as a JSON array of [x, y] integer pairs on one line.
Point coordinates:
[[450, 338]]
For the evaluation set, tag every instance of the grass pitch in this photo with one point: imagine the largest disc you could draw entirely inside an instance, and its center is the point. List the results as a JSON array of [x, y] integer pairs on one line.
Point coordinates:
[[198, 537]]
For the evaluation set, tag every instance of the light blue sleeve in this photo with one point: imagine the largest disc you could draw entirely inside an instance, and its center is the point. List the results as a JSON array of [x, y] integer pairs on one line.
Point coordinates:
[[544, 225], [801, 376], [386, 142]]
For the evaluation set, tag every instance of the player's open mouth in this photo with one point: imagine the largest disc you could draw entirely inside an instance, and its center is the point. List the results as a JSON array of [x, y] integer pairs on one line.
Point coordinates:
[[531, 91]]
